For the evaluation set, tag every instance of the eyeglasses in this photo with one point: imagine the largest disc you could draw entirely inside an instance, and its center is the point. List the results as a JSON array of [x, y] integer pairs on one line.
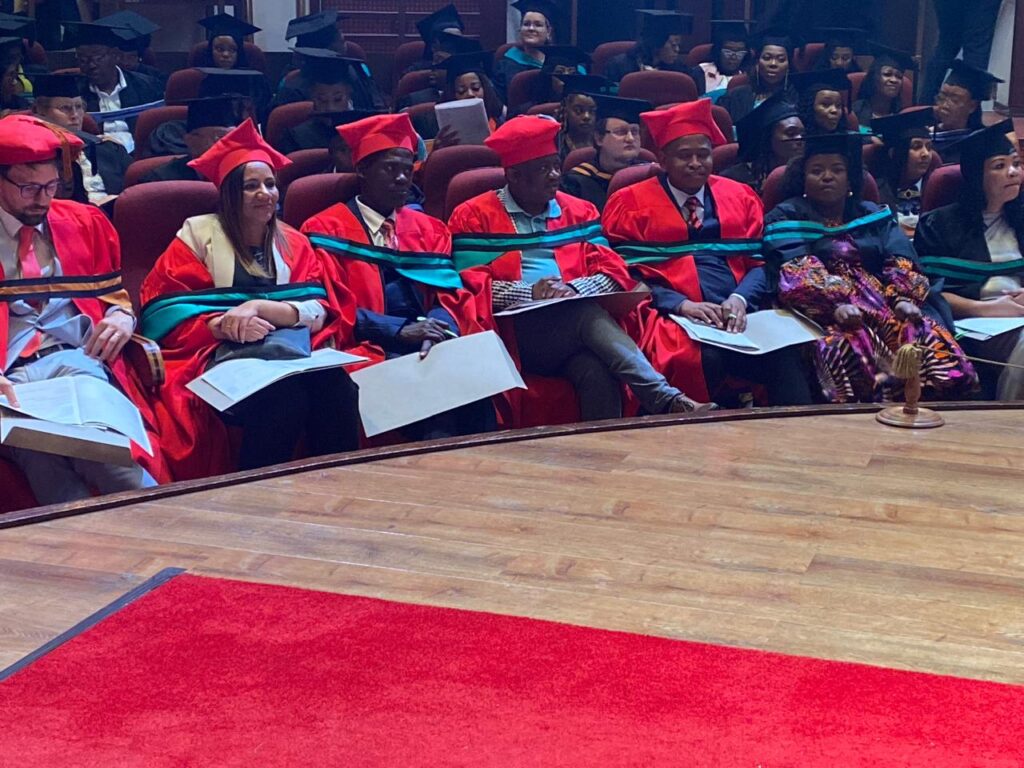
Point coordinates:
[[729, 53], [71, 109], [623, 132], [30, 191]]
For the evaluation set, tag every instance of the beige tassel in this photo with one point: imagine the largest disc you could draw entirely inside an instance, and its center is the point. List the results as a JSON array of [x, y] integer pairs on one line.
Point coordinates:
[[907, 363]]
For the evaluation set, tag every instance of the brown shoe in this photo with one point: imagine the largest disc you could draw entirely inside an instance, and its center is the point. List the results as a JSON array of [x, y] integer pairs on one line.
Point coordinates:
[[683, 404]]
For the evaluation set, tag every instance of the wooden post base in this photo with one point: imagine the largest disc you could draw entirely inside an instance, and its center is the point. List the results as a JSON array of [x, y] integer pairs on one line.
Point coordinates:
[[918, 418]]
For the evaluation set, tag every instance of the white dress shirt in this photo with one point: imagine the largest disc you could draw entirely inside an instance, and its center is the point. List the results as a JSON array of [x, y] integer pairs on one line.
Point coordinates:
[[111, 102]]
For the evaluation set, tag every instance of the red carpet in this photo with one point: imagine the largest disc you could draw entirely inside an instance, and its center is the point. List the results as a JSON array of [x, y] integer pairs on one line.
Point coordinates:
[[222, 673]]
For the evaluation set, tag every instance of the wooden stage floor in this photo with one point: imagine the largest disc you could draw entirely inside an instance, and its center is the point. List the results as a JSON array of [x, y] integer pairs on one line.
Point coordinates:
[[824, 535]]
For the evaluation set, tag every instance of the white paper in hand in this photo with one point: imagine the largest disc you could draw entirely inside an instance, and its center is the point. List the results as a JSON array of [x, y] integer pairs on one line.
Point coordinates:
[[767, 331], [467, 117], [984, 328]]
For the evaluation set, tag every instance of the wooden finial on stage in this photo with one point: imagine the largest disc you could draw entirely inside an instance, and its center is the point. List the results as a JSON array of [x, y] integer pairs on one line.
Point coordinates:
[[907, 366]]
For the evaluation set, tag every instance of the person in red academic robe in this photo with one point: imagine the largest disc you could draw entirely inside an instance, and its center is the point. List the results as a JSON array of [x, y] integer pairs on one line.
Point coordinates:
[[695, 240], [63, 310], [232, 279], [531, 242], [395, 265]]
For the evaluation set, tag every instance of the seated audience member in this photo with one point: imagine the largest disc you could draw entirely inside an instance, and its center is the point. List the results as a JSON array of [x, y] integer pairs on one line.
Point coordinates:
[[326, 67], [13, 88], [617, 138], [225, 42], [446, 46], [111, 89], [240, 283], [694, 239], [880, 92], [136, 33], [958, 106], [435, 31], [578, 112], [840, 52], [850, 268], [536, 30], [769, 76], [559, 61], [103, 161], [209, 120], [332, 86], [318, 30], [907, 139], [659, 46], [374, 249], [465, 78], [80, 321], [770, 136], [974, 245], [16, 36], [823, 99], [730, 54], [530, 242]]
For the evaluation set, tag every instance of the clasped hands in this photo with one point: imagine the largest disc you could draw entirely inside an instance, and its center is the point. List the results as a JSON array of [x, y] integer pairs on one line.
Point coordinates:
[[730, 315], [242, 324]]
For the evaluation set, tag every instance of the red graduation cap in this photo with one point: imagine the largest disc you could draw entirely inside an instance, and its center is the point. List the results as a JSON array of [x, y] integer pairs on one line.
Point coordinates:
[[378, 133], [241, 145], [524, 138], [27, 139], [689, 119]]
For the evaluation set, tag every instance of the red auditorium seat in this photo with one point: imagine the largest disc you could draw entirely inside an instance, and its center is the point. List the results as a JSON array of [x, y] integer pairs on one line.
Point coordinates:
[[499, 53], [16, 492], [354, 51], [419, 114], [257, 59], [736, 81], [312, 194], [771, 192], [806, 57], [943, 188], [411, 82], [606, 51], [149, 121], [588, 155], [89, 125], [725, 156], [140, 168], [698, 54], [549, 108], [148, 216], [470, 184], [445, 164], [632, 175], [406, 55], [857, 80], [37, 55], [658, 87], [523, 87], [284, 117], [305, 162], [182, 86]]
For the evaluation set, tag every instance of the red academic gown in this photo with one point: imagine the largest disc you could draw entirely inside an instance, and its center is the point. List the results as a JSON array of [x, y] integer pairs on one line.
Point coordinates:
[[544, 402], [195, 439], [353, 283], [90, 258], [645, 214]]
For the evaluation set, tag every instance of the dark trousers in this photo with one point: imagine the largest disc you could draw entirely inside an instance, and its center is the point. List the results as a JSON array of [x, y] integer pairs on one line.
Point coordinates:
[[781, 372], [469, 419], [966, 24], [322, 405]]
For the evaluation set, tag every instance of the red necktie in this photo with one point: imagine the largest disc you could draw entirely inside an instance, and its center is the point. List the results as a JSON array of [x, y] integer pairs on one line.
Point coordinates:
[[29, 270], [692, 206], [387, 231]]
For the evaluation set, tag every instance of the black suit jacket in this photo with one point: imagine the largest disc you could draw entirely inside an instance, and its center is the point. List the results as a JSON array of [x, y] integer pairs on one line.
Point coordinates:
[[138, 89], [311, 134], [174, 170]]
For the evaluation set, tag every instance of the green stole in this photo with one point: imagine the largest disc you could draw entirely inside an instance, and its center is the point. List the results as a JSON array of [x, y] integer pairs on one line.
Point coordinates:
[[639, 253], [479, 249], [791, 232], [433, 269]]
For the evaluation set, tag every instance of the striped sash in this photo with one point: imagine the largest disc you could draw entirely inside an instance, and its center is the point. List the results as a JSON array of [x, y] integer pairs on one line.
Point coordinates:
[[61, 286], [479, 249], [434, 269], [790, 232], [636, 253]]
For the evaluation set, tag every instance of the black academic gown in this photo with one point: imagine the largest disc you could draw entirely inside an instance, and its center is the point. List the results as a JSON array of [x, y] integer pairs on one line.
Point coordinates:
[[312, 134], [740, 101], [138, 89], [175, 170], [109, 159], [588, 181]]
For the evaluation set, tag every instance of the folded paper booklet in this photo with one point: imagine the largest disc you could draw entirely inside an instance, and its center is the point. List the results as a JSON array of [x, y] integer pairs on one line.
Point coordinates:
[[456, 372], [69, 412], [467, 117], [767, 331], [232, 381], [984, 328], [616, 304]]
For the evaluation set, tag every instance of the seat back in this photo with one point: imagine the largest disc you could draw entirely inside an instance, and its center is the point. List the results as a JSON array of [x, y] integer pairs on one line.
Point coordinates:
[[37, 55], [311, 194], [549, 108], [423, 119], [253, 54], [857, 81], [470, 184], [182, 86], [411, 82], [150, 120], [305, 162], [804, 59], [523, 88], [723, 120], [445, 164], [284, 117], [501, 50], [698, 54], [606, 51], [943, 187], [406, 55], [89, 125], [354, 51], [725, 156], [772, 195], [737, 80], [632, 175], [658, 87], [148, 216], [140, 168], [589, 155]]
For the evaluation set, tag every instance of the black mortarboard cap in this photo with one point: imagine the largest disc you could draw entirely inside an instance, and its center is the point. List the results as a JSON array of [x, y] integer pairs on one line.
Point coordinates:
[[563, 56], [80, 33], [322, 65], [440, 20], [57, 86], [214, 111], [913, 123], [585, 84], [242, 82], [616, 106], [551, 11], [723, 30], [223, 24], [464, 63], [886, 56], [657, 25], [454, 44], [980, 83], [17, 26], [315, 30], [775, 35], [975, 149], [133, 29], [841, 37], [759, 121], [846, 144], [820, 80]]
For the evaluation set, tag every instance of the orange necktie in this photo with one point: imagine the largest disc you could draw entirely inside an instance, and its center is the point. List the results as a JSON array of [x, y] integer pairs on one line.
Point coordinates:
[[29, 270]]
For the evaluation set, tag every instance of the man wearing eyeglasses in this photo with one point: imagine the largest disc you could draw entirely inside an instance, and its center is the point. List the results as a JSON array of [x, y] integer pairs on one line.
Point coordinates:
[[103, 161], [63, 311], [617, 139]]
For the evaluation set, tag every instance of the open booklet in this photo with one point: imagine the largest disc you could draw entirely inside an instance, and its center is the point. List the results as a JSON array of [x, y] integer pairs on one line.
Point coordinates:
[[616, 304], [455, 373], [232, 381], [984, 328], [767, 331], [64, 415]]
